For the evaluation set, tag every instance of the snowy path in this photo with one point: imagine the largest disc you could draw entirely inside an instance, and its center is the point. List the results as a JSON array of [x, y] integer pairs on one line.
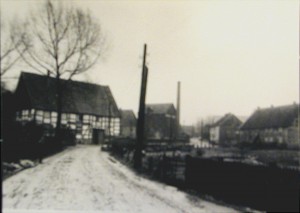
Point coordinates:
[[85, 179]]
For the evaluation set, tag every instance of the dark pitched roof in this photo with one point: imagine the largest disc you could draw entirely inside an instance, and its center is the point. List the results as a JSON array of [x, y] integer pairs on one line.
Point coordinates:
[[160, 108], [127, 118], [228, 119], [274, 117], [78, 97]]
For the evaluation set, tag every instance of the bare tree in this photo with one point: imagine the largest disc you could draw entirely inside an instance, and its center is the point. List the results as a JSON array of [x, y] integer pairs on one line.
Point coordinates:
[[64, 41], [12, 46]]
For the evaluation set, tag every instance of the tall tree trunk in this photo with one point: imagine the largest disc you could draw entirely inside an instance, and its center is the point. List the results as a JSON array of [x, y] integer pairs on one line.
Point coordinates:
[[58, 108]]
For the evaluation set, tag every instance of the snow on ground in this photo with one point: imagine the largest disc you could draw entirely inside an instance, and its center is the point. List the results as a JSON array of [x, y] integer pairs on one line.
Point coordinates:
[[83, 178]]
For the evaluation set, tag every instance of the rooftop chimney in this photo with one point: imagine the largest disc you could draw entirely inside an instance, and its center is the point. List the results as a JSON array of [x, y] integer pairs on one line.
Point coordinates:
[[178, 109]]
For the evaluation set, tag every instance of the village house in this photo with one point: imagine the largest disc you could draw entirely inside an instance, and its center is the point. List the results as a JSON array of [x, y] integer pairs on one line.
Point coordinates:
[[128, 124], [224, 131], [160, 122], [273, 125], [89, 110]]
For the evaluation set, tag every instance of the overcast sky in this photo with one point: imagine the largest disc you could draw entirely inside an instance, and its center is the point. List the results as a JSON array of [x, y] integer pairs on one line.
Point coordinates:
[[230, 56]]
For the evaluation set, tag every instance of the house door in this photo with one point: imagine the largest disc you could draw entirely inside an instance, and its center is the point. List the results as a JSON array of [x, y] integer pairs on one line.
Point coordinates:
[[98, 136]]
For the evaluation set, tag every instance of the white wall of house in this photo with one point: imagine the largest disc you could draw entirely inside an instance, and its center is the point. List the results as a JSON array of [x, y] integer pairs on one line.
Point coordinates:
[[214, 134], [288, 135], [82, 124]]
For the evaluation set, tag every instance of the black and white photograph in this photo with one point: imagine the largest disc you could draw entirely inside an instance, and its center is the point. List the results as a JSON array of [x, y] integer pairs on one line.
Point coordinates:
[[140, 106]]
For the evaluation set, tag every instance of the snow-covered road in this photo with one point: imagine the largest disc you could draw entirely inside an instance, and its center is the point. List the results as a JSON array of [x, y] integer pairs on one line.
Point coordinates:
[[84, 179]]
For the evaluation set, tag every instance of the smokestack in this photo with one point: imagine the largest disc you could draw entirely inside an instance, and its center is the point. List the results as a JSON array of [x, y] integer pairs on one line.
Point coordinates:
[[178, 109]]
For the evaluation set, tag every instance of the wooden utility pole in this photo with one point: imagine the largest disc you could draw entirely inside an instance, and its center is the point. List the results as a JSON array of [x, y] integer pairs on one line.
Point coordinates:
[[141, 116]]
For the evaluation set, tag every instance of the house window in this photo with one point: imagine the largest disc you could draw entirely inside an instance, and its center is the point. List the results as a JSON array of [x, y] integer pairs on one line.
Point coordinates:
[[39, 113], [47, 117], [39, 116], [93, 120], [25, 114], [53, 117], [72, 118], [72, 126], [85, 118], [64, 118], [100, 122], [105, 122]]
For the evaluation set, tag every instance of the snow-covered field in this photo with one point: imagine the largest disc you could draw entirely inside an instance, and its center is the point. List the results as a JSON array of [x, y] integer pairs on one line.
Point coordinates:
[[84, 179]]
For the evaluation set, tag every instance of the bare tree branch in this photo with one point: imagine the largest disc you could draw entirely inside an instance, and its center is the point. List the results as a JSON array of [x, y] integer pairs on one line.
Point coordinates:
[[62, 40], [10, 43]]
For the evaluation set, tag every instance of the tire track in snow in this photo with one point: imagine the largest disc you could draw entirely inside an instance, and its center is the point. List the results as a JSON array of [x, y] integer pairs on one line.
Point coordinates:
[[135, 183]]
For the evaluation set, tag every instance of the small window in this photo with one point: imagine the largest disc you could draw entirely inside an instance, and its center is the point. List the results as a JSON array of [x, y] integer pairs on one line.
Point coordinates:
[[54, 114], [72, 117], [25, 115], [38, 118], [64, 116], [86, 118], [72, 126], [117, 121], [25, 112], [47, 114], [47, 117], [39, 112]]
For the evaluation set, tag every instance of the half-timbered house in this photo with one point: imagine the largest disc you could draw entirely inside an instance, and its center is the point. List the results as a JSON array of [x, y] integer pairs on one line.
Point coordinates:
[[89, 110]]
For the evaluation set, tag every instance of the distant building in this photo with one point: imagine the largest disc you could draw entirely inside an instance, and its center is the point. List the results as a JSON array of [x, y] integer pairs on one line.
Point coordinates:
[[224, 131], [274, 124], [160, 122], [89, 110], [128, 124], [189, 130]]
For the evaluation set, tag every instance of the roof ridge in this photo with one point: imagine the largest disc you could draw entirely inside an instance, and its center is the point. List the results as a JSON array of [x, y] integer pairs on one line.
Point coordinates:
[[79, 97], [272, 117], [280, 106], [62, 79]]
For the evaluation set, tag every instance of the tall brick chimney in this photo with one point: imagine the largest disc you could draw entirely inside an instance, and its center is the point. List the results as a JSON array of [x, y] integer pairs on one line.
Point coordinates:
[[178, 111]]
